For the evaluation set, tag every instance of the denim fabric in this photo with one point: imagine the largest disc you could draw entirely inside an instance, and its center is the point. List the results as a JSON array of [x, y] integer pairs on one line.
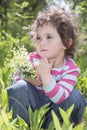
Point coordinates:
[[23, 94]]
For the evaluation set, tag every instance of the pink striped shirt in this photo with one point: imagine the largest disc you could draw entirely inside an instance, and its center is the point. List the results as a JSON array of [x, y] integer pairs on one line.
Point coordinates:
[[64, 79]]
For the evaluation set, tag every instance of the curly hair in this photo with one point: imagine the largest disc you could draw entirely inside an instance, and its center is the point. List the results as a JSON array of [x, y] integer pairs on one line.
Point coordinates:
[[63, 23]]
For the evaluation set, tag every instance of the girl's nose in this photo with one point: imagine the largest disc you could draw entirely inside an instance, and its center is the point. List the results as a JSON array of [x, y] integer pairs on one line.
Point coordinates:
[[43, 41]]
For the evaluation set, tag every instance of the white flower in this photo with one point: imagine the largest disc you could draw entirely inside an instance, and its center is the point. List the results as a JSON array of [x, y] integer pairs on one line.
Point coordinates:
[[20, 62]]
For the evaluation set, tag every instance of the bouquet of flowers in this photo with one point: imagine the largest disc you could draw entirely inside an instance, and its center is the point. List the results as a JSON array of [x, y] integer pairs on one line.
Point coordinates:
[[20, 63]]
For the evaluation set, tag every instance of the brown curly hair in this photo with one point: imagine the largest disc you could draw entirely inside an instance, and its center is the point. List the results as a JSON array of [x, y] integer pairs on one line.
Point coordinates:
[[62, 21]]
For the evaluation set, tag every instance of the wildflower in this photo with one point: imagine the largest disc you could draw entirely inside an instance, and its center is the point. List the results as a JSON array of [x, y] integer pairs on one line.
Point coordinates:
[[21, 64]]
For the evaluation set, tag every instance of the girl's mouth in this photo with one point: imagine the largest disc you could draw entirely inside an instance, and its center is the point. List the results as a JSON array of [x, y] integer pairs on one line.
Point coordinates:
[[43, 50]]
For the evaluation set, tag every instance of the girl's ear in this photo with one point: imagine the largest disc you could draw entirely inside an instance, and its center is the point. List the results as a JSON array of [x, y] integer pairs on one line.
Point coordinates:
[[70, 42]]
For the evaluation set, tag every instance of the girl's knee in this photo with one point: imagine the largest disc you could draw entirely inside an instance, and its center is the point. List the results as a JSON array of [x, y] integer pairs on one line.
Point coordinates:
[[19, 84], [17, 89]]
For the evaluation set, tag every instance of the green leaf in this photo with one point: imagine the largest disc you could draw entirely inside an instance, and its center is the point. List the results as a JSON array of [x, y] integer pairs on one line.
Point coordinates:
[[1, 75], [19, 15], [1, 83], [70, 109], [36, 117], [51, 126], [4, 118], [17, 5], [70, 127], [56, 121], [25, 4], [22, 123], [4, 99], [79, 127], [64, 116]]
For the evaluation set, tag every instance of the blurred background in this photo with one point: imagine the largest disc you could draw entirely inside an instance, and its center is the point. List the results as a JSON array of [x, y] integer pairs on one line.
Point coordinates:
[[15, 18]]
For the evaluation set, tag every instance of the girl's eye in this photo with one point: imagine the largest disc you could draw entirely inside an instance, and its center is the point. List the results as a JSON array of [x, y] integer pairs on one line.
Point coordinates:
[[38, 38], [49, 37]]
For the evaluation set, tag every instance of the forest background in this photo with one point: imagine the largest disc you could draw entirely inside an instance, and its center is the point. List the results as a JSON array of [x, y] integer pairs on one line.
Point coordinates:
[[15, 18]]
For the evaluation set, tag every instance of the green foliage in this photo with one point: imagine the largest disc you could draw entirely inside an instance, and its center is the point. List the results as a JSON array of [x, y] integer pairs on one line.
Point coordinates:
[[4, 102], [81, 56], [5, 80], [36, 118], [1, 85], [81, 60], [56, 121], [16, 16], [21, 124], [4, 48], [80, 7], [82, 83], [5, 123], [66, 122], [67, 125], [85, 119]]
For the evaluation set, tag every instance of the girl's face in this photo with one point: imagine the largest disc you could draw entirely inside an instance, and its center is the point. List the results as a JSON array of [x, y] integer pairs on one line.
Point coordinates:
[[49, 43]]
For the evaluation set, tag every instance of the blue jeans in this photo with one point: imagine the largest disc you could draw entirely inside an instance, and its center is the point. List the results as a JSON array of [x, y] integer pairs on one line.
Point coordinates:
[[23, 94]]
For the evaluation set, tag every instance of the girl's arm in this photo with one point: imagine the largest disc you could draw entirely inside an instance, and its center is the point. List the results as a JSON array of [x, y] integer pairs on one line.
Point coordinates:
[[61, 90]]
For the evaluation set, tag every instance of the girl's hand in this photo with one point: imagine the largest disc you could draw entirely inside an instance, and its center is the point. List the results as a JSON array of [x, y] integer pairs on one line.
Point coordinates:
[[43, 68], [37, 81]]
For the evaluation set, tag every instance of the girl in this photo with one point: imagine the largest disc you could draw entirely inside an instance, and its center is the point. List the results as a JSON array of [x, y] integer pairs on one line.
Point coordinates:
[[55, 39]]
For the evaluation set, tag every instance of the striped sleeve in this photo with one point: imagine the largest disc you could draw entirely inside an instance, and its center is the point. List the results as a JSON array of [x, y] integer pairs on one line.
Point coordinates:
[[60, 90], [34, 57]]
